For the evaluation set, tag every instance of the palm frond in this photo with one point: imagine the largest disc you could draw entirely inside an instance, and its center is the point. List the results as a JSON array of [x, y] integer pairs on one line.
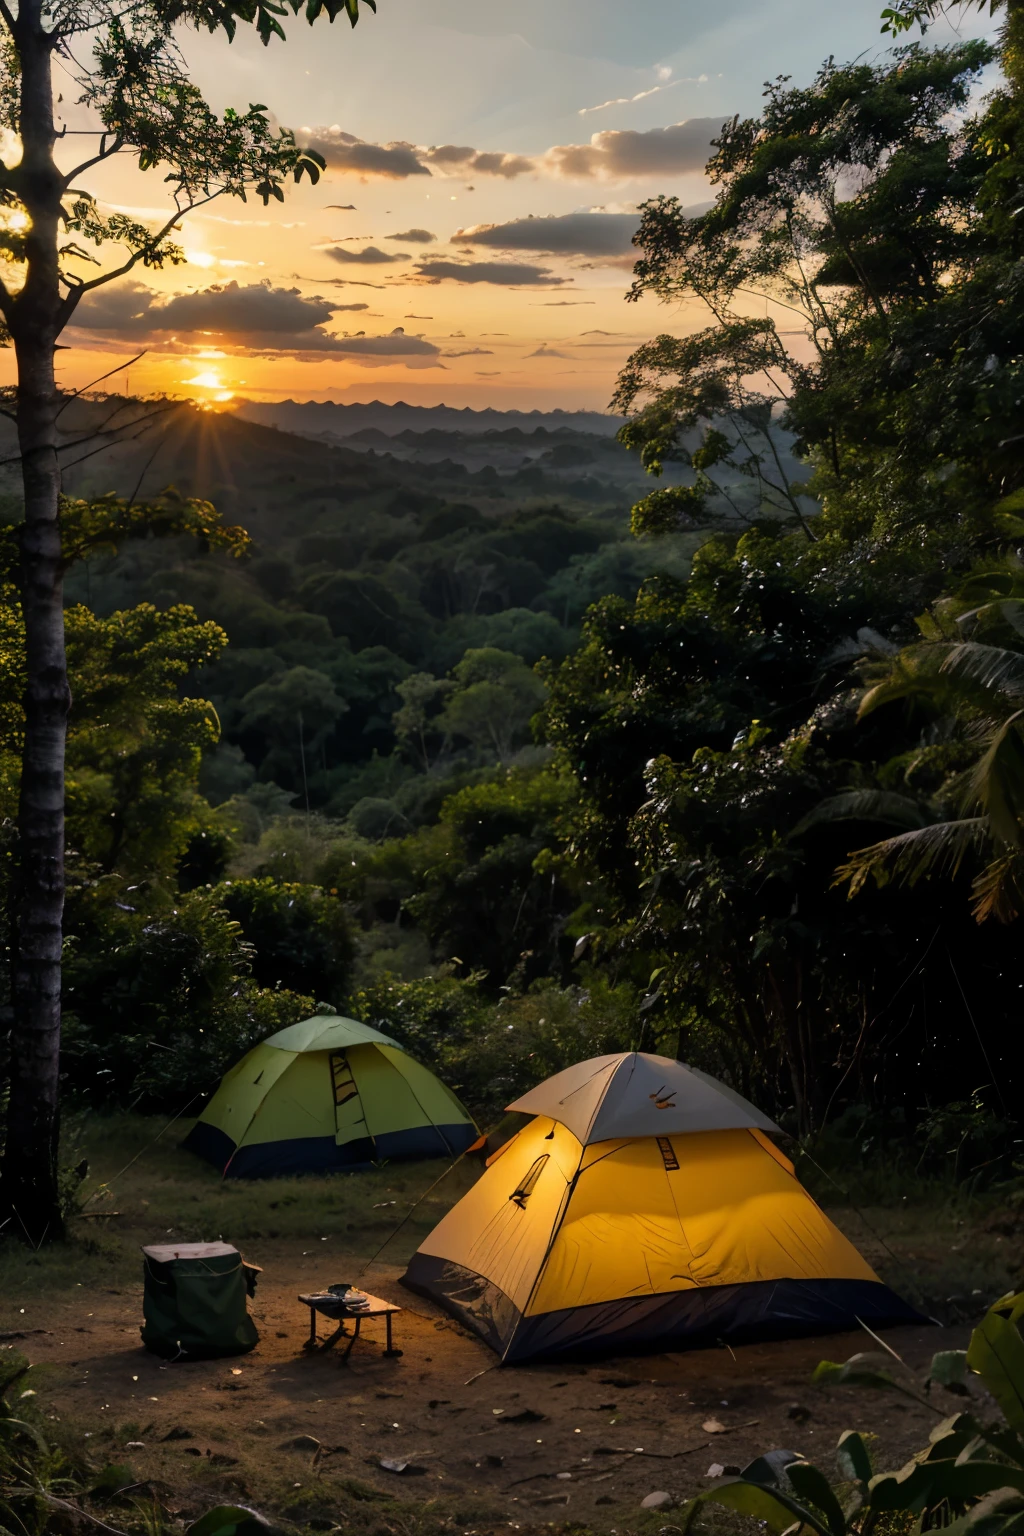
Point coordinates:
[[999, 889], [909, 674], [999, 673], [1007, 610], [916, 855], [864, 805], [997, 782]]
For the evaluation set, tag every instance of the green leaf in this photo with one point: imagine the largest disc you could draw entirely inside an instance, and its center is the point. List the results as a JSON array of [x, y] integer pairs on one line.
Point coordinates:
[[770, 1505], [852, 1457], [858, 1371], [998, 1514], [953, 1438], [771, 1468], [230, 1520], [923, 1485], [811, 1484], [996, 1353]]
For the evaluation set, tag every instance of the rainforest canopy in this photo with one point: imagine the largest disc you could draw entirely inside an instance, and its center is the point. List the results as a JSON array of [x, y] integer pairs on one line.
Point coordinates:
[[325, 1095], [643, 1207]]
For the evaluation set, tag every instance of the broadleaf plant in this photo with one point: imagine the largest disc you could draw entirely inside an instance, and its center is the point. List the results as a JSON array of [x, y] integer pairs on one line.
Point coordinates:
[[968, 1478]]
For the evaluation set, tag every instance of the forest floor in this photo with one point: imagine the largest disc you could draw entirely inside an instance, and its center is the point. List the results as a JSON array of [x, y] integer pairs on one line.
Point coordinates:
[[494, 1448]]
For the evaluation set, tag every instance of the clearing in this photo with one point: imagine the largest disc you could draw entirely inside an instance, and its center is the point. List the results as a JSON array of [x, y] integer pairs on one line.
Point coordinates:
[[487, 1446]]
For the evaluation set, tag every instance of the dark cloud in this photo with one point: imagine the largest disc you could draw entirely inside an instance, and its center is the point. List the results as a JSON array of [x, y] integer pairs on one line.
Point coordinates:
[[369, 257], [471, 352], [226, 309], [613, 155], [415, 236], [343, 207], [567, 234], [549, 352], [397, 344], [506, 273], [621, 153], [340, 282], [464, 159], [258, 317], [344, 152]]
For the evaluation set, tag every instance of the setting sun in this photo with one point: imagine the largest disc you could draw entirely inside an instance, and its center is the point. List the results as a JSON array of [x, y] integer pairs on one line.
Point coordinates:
[[207, 380]]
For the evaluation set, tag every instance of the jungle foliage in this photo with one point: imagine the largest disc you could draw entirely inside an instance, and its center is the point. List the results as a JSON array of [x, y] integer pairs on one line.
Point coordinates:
[[968, 1478], [469, 761]]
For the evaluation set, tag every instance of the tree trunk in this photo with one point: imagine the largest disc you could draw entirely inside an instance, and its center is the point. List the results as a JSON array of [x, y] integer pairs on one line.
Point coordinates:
[[30, 1166]]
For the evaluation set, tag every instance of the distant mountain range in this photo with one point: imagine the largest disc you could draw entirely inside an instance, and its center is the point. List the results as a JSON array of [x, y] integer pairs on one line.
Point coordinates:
[[313, 418]]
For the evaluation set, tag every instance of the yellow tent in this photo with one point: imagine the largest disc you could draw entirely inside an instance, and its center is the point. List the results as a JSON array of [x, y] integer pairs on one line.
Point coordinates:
[[323, 1095], [644, 1206]]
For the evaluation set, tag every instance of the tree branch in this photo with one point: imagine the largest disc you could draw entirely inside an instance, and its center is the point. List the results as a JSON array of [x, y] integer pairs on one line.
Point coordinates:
[[70, 304], [7, 16], [6, 297], [109, 374], [97, 159]]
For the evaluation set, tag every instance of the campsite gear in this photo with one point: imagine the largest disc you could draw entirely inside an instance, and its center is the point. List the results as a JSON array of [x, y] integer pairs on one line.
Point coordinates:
[[324, 1095], [643, 1207], [338, 1309], [194, 1301]]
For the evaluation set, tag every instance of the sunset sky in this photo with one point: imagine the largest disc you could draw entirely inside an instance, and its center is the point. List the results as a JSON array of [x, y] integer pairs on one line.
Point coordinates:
[[471, 240]]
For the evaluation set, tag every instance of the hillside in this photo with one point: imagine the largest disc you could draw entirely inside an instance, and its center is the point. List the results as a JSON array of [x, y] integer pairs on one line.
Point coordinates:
[[315, 417], [374, 559]]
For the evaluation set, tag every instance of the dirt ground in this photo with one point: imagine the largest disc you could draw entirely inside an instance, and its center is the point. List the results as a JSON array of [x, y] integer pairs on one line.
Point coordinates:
[[530, 1443]]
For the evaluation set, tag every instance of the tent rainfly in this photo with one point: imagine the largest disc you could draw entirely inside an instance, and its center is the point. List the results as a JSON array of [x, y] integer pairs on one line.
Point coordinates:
[[326, 1095], [643, 1207]]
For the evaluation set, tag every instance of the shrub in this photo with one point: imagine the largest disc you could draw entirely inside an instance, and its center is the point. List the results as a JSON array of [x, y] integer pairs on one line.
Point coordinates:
[[158, 999], [299, 936]]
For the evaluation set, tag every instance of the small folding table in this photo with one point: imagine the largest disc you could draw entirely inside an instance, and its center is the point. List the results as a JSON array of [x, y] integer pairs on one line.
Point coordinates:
[[338, 1310]]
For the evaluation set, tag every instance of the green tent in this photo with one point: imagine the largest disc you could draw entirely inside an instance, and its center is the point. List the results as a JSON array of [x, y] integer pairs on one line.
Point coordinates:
[[194, 1301], [325, 1095]]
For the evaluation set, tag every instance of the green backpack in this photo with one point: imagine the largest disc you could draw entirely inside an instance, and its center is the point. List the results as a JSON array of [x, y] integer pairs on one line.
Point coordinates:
[[194, 1301]]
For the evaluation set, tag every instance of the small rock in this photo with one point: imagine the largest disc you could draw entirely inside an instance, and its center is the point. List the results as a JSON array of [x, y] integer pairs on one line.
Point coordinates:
[[713, 1427], [564, 1477], [660, 1500], [798, 1413], [302, 1443], [135, 1445], [179, 1433], [403, 1468], [495, 1461], [715, 1470], [192, 1450]]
